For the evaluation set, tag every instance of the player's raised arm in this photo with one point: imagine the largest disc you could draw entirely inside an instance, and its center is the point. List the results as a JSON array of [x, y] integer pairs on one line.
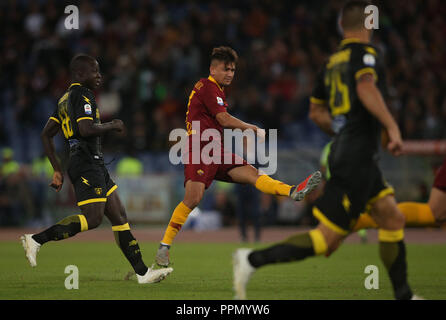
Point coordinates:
[[373, 101], [51, 128]]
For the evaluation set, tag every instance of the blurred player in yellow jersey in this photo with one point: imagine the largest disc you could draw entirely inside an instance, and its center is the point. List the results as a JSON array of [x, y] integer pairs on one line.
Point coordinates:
[[347, 103], [417, 214]]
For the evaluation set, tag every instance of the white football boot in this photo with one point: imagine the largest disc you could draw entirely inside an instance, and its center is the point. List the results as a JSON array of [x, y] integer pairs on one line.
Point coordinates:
[[31, 247], [242, 272], [154, 275]]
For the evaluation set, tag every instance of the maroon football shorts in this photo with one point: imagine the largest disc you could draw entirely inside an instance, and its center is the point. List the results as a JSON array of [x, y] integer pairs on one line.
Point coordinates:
[[206, 173]]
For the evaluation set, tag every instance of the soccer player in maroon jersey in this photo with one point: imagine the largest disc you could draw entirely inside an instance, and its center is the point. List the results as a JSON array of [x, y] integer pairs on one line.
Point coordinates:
[[207, 105]]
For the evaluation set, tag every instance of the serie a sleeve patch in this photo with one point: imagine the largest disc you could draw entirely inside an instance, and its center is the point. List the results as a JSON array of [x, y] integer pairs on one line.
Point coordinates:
[[368, 59], [87, 109], [220, 101]]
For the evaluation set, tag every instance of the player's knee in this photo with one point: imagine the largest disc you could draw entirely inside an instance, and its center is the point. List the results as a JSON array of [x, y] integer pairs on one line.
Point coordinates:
[[401, 219], [439, 213], [94, 220], [388, 215], [120, 219], [122, 214], [396, 220], [438, 210], [325, 241], [332, 246], [192, 200]]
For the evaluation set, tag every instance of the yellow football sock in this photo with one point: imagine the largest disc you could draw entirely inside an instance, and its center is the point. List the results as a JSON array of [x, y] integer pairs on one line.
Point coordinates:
[[270, 186], [417, 214], [365, 221], [319, 244], [179, 217], [390, 235]]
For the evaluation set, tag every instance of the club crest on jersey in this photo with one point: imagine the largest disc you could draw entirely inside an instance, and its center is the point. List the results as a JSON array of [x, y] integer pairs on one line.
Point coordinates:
[[220, 101], [87, 109], [368, 59], [200, 172], [98, 191]]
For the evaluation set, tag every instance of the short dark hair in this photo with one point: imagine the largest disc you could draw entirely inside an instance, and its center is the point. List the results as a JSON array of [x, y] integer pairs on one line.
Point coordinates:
[[79, 61], [352, 15], [225, 54]]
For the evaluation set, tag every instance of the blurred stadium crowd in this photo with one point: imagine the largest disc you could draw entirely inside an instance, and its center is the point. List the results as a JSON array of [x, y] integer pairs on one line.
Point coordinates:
[[152, 52]]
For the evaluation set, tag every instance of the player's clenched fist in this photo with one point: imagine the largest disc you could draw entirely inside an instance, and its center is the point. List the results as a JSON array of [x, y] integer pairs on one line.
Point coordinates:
[[118, 125], [395, 143], [57, 181]]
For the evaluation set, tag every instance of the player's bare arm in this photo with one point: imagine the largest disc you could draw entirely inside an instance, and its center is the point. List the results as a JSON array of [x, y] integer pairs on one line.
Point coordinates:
[[49, 131], [373, 101], [231, 122], [320, 115], [88, 128]]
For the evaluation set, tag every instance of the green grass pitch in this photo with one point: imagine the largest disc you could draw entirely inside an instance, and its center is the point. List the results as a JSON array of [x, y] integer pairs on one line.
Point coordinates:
[[204, 271]]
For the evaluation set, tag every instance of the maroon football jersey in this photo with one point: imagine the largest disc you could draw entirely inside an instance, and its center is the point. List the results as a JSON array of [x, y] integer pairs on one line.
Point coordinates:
[[206, 100]]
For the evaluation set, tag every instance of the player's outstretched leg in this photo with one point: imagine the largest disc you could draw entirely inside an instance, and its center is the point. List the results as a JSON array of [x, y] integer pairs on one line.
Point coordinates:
[[297, 247], [268, 185], [68, 227], [418, 215], [247, 174]]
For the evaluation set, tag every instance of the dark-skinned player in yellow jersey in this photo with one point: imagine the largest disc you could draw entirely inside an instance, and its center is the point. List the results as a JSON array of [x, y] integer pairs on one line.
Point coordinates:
[[77, 116], [349, 88]]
